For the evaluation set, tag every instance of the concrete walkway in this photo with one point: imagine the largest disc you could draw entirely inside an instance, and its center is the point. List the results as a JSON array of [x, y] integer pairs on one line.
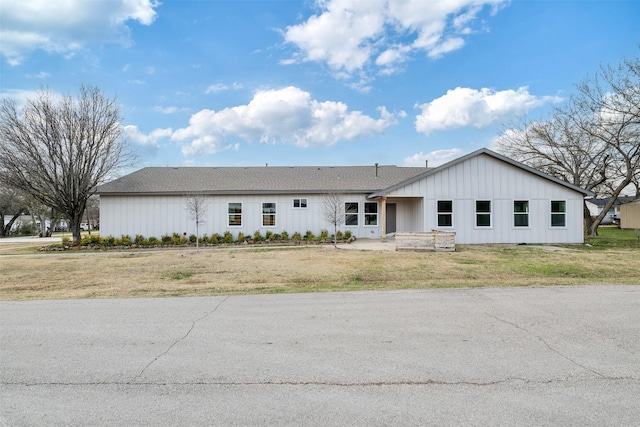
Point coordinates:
[[31, 239], [359, 244], [370, 245]]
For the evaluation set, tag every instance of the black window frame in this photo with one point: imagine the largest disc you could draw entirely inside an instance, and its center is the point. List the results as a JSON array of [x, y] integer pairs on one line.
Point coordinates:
[[351, 217], [370, 217], [482, 213], [521, 217], [556, 214], [300, 203], [236, 214], [269, 214], [444, 212]]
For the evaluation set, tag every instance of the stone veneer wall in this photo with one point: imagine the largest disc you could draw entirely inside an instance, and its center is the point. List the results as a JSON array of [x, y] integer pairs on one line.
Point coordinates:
[[434, 240]]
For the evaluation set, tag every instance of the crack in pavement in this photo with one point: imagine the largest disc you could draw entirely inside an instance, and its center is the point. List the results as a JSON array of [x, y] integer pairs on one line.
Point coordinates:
[[314, 383], [193, 325], [564, 356]]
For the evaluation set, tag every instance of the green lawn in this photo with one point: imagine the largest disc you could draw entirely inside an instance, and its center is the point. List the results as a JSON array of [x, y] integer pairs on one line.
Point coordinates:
[[610, 237]]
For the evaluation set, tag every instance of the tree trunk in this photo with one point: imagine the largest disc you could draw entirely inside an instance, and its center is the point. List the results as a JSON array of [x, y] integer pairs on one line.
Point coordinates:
[[6, 229], [43, 226], [588, 221], [74, 227]]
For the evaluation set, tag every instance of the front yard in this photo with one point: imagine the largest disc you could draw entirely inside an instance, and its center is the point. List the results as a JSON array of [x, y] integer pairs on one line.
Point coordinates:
[[214, 271]]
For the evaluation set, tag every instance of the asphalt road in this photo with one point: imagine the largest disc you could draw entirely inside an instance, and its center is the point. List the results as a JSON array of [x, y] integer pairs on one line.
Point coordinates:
[[566, 356]]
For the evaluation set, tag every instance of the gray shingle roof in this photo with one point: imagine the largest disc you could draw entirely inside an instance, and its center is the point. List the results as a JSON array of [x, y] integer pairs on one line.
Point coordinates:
[[259, 180]]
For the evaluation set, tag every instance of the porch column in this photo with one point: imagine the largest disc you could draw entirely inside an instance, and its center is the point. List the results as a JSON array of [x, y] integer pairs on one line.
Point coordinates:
[[383, 209]]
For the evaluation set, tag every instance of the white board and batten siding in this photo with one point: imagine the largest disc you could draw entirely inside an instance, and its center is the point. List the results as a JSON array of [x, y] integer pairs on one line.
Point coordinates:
[[486, 178], [156, 215]]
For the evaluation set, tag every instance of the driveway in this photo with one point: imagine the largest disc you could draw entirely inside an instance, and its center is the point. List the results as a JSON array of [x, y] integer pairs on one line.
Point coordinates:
[[565, 356]]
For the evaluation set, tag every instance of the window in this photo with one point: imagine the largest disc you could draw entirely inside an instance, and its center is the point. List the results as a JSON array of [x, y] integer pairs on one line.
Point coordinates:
[[445, 213], [483, 213], [521, 213], [299, 203], [370, 214], [351, 213], [268, 214], [235, 214], [558, 213]]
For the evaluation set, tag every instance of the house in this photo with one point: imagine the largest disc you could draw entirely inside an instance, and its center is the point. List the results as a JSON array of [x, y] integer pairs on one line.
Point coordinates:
[[483, 197], [595, 206], [630, 215]]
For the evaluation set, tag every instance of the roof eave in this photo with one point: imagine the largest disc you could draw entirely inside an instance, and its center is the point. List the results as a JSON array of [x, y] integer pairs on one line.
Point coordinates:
[[231, 192]]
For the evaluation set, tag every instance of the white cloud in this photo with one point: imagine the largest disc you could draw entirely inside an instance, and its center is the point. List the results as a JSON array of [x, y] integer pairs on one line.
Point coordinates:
[[463, 107], [446, 46], [40, 75], [20, 97], [146, 140], [220, 87], [170, 110], [67, 26], [435, 158], [287, 116], [348, 34]]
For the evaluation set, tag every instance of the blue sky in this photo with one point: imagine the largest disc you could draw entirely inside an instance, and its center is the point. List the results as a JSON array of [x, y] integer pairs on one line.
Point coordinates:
[[313, 82]]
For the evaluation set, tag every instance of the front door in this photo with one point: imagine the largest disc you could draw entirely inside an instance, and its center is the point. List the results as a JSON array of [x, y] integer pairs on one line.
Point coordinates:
[[391, 218]]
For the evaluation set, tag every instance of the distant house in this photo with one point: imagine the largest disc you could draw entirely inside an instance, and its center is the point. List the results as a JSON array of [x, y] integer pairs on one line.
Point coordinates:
[[484, 197], [595, 207], [33, 224], [630, 215]]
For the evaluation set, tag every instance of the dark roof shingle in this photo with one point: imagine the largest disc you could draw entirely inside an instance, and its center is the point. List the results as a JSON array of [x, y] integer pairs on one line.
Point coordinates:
[[249, 180]]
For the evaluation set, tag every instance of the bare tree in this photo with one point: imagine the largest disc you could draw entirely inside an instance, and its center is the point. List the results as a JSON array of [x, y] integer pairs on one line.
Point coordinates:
[[39, 214], [592, 142], [58, 149], [559, 148], [196, 205], [12, 206], [333, 213]]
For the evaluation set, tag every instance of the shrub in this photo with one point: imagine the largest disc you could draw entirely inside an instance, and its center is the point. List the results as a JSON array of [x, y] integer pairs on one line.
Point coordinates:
[[268, 235], [215, 238], [309, 235], [339, 235], [165, 238], [241, 237], [257, 236], [228, 237], [204, 238], [176, 238], [90, 240], [153, 240], [324, 234], [296, 236], [126, 240], [284, 235], [24, 229], [107, 241], [347, 234], [140, 240], [192, 238], [66, 241]]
